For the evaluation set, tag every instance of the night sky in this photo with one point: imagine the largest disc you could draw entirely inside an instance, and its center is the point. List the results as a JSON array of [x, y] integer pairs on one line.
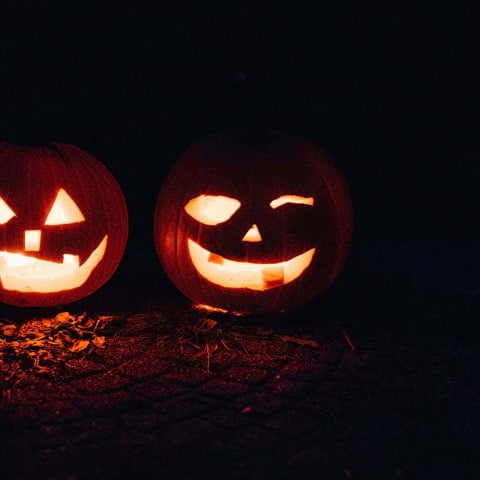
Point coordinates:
[[389, 90]]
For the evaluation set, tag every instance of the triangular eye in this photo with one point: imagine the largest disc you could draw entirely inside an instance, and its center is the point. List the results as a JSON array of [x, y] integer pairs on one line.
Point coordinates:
[[64, 210], [6, 213]]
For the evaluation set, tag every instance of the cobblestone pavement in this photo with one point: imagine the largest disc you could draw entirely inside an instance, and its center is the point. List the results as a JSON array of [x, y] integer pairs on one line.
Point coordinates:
[[381, 388]]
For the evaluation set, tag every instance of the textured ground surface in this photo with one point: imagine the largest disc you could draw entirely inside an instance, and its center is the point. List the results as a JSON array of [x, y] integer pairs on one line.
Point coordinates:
[[376, 382]]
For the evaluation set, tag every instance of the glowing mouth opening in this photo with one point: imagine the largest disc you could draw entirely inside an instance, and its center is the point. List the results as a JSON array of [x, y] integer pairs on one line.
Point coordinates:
[[254, 276], [28, 274]]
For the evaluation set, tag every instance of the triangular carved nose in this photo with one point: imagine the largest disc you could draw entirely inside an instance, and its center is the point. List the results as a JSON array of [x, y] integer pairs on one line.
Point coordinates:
[[253, 235]]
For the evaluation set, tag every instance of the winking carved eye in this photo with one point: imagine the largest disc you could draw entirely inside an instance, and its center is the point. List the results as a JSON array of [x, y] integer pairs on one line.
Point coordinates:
[[216, 209]]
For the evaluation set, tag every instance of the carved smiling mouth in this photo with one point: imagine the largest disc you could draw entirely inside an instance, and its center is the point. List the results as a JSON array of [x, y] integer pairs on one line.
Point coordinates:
[[29, 274], [254, 276]]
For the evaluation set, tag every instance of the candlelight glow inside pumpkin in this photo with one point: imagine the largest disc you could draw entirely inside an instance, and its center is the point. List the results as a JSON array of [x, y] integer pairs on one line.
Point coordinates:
[[26, 273], [253, 221], [63, 235], [215, 209]]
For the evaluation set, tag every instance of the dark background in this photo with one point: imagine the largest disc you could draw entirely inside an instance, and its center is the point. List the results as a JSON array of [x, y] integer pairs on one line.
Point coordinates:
[[390, 90]]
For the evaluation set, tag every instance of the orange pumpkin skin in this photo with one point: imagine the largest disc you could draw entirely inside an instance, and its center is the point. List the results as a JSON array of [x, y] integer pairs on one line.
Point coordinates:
[[31, 178], [254, 168]]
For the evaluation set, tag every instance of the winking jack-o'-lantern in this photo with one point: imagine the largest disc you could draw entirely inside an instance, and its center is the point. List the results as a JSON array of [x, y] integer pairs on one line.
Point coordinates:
[[253, 221], [63, 224]]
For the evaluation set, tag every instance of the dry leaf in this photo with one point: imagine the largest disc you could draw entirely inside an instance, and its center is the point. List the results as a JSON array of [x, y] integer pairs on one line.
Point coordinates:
[[99, 342], [8, 330], [79, 345], [104, 319], [207, 324], [45, 342], [64, 317], [300, 341], [87, 323], [48, 322]]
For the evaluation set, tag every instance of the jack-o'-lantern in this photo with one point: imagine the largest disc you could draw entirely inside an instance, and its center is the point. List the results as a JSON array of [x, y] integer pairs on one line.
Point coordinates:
[[63, 224], [253, 221]]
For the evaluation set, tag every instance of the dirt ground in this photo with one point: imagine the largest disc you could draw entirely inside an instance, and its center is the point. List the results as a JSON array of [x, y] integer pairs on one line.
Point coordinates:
[[377, 380]]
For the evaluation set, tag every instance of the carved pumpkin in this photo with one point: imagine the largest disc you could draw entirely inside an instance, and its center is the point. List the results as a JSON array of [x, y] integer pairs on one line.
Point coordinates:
[[253, 222], [63, 224]]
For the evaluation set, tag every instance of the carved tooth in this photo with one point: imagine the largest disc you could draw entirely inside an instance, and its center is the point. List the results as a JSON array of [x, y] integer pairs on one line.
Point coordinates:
[[71, 260], [273, 276], [214, 258]]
